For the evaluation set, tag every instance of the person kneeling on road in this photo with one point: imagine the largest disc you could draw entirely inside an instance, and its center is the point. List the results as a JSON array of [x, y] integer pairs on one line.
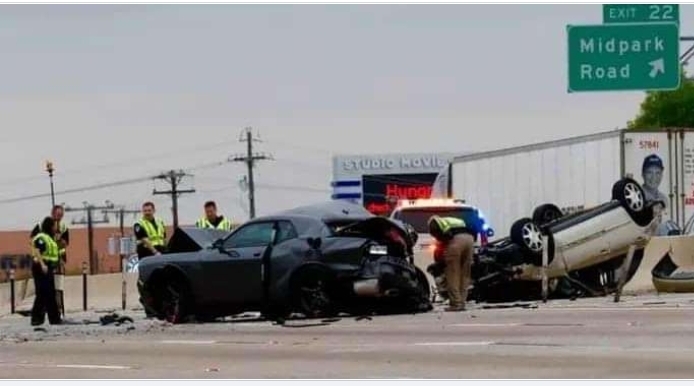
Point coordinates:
[[458, 241], [46, 254]]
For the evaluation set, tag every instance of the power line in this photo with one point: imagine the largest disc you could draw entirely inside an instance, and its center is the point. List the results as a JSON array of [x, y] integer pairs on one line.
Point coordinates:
[[302, 147], [78, 190], [250, 159], [196, 149], [271, 187], [120, 215], [104, 185], [173, 178]]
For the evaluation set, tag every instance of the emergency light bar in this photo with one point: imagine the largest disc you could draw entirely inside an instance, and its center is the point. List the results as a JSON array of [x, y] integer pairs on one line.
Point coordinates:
[[430, 202]]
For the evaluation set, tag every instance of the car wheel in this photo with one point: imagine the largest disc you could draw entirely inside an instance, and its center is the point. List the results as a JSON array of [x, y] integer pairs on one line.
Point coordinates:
[[312, 291], [630, 194], [528, 236], [546, 213], [175, 301]]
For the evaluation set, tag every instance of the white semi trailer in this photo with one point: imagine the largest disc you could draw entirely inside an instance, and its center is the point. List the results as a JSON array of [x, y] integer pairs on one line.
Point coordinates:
[[574, 174]]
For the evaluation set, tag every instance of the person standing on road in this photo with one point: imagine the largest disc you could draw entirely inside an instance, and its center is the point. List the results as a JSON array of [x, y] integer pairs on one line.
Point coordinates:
[[46, 255], [457, 240], [211, 220], [150, 232], [62, 237]]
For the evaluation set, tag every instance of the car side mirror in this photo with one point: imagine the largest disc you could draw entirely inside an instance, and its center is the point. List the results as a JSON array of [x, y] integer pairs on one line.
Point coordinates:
[[218, 245], [314, 243]]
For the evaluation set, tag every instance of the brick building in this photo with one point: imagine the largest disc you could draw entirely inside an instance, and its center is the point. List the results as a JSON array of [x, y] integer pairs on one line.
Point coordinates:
[[15, 251]]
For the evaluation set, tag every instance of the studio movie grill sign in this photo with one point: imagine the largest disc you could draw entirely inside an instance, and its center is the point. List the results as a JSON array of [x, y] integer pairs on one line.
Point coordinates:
[[423, 162]]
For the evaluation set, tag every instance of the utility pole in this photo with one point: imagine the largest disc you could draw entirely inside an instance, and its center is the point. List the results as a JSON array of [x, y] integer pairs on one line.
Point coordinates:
[[120, 214], [173, 178], [249, 159], [90, 222]]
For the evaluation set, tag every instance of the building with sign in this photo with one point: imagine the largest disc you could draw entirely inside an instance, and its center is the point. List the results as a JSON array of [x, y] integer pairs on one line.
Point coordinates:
[[376, 181]]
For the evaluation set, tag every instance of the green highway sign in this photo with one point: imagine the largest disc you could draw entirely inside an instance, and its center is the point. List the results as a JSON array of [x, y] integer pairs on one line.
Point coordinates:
[[640, 13], [620, 57]]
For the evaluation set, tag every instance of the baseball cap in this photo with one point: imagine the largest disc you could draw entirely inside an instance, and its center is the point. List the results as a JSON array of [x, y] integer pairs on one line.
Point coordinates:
[[652, 160]]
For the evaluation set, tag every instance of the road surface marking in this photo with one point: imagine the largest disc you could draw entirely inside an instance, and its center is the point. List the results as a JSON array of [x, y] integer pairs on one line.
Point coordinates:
[[188, 341], [671, 308], [453, 344], [100, 367], [484, 324]]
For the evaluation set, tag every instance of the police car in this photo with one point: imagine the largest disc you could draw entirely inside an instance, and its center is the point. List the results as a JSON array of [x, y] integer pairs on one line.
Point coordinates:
[[416, 213]]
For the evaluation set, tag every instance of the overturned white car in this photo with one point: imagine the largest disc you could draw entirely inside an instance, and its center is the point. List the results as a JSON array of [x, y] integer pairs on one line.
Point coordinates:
[[585, 249]]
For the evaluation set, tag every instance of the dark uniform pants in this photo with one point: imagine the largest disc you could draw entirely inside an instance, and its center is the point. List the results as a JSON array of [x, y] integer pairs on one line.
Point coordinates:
[[458, 256], [60, 270], [45, 300]]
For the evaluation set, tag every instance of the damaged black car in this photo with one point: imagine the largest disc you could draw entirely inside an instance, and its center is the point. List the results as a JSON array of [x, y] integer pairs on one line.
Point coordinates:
[[318, 260]]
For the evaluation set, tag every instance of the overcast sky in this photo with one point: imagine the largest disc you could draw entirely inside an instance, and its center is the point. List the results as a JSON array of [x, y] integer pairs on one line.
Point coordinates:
[[142, 89]]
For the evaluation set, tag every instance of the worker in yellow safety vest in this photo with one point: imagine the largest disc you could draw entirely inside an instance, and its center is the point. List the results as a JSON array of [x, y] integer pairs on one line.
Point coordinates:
[[458, 242], [46, 256], [211, 220], [62, 237], [150, 232]]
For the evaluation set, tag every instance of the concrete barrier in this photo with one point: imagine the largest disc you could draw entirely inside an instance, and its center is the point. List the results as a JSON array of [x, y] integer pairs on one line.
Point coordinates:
[[103, 292], [681, 250]]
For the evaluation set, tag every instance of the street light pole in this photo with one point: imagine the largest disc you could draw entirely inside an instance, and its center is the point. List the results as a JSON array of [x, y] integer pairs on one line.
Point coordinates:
[[49, 169]]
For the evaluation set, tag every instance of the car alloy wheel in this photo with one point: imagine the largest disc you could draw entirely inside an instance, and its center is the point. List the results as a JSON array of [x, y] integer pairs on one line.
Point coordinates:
[[315, 300], [532, 237], [633, 197]]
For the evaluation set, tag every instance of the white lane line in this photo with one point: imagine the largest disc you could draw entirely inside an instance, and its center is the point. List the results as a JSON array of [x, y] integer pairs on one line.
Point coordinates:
[[100, 367], [452, 344], [188, 341], [670, 308], [484, 325]]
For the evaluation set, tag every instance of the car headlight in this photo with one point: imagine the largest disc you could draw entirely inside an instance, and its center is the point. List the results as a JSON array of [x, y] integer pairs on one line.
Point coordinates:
[[378, 250]]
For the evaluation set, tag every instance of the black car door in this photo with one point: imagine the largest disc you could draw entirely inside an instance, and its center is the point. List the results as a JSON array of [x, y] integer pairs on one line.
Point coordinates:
[[240, 268]]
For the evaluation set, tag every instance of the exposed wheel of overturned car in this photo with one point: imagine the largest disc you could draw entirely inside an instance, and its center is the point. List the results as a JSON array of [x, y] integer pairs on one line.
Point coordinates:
[[630, 194], [528, 236], [546, 213], [311, 289]]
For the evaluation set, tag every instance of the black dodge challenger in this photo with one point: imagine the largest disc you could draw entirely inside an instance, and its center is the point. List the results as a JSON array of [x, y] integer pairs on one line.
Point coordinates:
[[316, 260]]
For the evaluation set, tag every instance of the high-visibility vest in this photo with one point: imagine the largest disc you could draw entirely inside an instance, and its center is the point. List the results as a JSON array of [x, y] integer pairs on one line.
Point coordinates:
[[448, 224], [52, 252], [224, 225], [156, 235], [62, 228]]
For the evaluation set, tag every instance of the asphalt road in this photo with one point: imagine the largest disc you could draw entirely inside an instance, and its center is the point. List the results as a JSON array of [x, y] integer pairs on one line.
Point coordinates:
[[642, 337]]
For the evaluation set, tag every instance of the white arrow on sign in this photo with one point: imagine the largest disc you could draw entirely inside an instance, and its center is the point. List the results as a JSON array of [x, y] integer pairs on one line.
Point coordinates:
[[657, 67]]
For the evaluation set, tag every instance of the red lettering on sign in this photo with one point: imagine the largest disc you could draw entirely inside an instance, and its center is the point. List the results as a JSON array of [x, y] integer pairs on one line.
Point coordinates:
[[397, 192], [649, 145], [408, 192]]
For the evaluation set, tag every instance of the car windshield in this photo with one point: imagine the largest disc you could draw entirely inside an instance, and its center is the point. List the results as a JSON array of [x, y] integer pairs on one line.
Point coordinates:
[[418, 217]]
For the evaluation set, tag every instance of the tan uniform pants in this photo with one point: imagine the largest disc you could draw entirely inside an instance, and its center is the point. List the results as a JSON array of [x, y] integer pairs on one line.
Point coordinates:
[[458, 257]]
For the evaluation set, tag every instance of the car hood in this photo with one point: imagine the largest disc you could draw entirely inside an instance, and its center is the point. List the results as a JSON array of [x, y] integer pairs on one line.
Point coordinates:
[[192, 239]]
